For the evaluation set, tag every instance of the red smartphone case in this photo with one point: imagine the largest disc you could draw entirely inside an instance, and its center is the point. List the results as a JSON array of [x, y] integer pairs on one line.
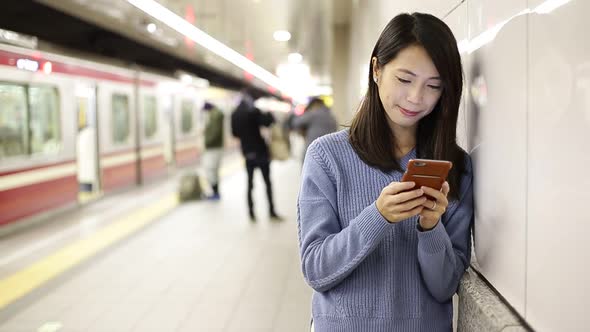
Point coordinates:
[[427, 172]]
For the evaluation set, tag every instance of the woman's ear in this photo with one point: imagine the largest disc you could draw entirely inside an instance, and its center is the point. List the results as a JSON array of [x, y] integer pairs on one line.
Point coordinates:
[[376, 69]]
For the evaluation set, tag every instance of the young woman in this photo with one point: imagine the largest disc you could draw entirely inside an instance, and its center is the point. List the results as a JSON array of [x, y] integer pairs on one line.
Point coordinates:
[[379, 255]]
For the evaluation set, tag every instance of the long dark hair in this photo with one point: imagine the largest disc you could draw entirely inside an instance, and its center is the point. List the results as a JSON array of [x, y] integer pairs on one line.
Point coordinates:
[[370, 135]]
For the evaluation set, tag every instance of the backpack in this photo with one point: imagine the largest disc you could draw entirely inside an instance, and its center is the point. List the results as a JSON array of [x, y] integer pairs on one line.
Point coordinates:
[[190, 187]]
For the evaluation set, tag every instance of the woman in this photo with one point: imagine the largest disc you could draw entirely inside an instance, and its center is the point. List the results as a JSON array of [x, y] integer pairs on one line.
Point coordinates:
[[379, 255]]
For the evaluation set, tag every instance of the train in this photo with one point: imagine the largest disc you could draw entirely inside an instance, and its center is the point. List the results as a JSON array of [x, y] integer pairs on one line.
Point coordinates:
[[72, 123]]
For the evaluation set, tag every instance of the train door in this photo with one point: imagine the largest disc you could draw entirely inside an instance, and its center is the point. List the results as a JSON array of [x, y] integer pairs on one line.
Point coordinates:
[[168, 129], [87, 143]]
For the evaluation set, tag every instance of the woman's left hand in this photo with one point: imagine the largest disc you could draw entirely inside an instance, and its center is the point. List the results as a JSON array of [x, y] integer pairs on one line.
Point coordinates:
[[434, 209]]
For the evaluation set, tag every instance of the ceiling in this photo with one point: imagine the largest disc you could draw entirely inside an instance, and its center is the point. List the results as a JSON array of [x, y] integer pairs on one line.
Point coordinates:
[[115, 28], [247, 26]]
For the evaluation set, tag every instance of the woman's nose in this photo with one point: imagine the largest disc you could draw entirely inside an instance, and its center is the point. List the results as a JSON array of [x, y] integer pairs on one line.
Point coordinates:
[[415, 95]]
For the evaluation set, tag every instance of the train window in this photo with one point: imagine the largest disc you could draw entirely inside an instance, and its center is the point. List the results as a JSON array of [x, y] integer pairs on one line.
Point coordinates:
[[44, 121], [121, 118], [150, 118], [186, 116], [13, 120]]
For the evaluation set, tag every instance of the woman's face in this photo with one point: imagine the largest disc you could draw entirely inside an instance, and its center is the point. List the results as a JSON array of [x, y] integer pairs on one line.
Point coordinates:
[[409, 87]]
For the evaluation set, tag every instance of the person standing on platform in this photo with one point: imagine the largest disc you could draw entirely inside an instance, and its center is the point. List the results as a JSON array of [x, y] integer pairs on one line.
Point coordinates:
[[317, 120], [380, 254], [213, 147], [246, 122]]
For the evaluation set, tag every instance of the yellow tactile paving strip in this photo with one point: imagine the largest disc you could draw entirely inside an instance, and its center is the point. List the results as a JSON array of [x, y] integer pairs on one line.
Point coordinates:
[[21, 283], [24, 281]]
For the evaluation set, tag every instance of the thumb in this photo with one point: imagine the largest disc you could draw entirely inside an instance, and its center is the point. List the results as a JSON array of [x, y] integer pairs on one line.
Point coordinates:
[[446, 188]]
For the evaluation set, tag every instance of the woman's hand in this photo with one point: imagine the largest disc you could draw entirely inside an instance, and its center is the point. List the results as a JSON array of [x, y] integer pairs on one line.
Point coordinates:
[[434, 209], [396, 203]]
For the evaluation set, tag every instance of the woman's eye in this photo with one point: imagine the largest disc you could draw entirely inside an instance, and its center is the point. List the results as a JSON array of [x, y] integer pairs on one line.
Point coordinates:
[[435, 87], [402, 80]]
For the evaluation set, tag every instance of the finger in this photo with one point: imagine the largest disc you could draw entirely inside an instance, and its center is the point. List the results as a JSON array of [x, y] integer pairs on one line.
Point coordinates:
[[437, 195], [397, 187], [407, 195], [429, 204], [409, 205], [415, 211], [441, 205], [446, 188]]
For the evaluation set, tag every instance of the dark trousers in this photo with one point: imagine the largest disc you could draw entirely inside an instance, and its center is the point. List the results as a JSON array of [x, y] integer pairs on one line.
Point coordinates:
[[264, 166]]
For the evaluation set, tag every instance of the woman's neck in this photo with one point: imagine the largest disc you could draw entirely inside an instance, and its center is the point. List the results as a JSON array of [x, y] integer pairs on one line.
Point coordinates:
[[405, 141]]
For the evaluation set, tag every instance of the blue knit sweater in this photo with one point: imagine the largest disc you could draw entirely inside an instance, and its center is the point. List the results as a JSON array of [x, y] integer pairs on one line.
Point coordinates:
[[368, 274]]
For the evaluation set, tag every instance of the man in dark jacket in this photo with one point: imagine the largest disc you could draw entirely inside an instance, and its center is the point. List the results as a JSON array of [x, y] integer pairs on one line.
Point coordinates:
[[246, 121]]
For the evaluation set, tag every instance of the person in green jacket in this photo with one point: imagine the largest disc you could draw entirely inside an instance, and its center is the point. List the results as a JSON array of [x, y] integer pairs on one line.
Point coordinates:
[[213, 147]]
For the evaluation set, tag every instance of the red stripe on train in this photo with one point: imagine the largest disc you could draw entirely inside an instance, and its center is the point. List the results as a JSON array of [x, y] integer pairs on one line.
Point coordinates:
[[10, 59], [26, 201], [118, 177], [153, 167], [186, 157]]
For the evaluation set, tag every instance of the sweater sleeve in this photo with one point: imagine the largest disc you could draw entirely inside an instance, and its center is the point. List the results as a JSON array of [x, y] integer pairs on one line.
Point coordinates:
[[329, 253], [444, 252]]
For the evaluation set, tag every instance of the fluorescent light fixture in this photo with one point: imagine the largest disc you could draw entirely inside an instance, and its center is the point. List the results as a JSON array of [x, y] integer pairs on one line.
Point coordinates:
[[151, 28], [183, 27], [282, 35], [295, 58]]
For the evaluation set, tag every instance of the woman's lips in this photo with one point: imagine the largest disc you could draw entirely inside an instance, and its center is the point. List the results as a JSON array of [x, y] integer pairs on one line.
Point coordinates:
[[408, 113]]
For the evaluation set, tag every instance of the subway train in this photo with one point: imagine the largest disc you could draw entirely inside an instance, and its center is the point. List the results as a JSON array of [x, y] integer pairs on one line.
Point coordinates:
[[70, 124]]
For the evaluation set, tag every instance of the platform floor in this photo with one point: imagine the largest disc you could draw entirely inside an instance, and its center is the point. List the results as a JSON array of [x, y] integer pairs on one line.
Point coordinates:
[[138, 261]]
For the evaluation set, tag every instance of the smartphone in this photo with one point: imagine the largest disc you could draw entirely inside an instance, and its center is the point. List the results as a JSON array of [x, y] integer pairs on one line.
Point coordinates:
[[427, 172]]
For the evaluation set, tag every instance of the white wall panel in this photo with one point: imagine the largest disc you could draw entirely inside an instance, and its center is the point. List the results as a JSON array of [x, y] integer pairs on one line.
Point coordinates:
[[559, 159], [438, 8], [498, 86], [458, 21]]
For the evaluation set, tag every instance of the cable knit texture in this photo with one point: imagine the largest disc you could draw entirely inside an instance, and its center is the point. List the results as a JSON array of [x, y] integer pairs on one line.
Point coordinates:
[[368, 274]]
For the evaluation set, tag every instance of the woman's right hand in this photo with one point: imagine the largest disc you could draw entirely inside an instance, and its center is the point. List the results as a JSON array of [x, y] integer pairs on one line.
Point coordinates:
[[396, 203]]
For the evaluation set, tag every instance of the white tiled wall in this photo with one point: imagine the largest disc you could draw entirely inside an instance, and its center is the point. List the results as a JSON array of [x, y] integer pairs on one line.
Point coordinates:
[[499, 148], [559, 155]]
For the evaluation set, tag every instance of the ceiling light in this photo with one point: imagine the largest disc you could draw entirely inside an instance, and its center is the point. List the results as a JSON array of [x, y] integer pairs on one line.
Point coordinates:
[[282, 35], [151, 28], [295, 58], [185, 28]]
